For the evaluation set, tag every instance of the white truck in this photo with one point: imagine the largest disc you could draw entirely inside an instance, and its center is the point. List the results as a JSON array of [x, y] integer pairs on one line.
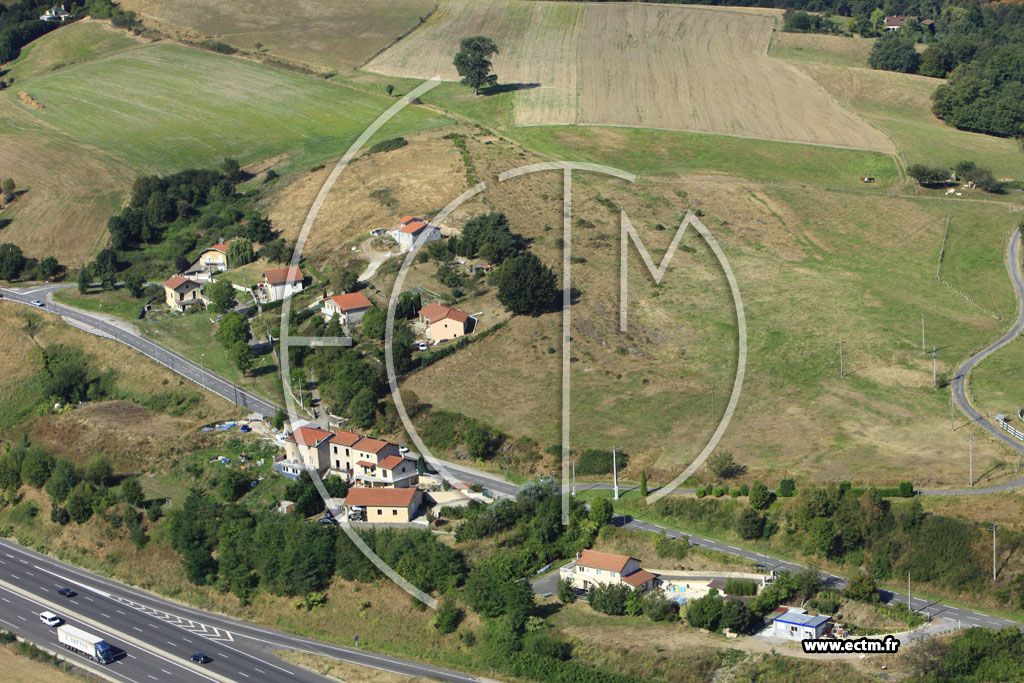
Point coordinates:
[[84, 643]]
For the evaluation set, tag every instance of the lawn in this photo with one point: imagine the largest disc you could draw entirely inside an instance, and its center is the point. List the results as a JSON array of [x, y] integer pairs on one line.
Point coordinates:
[[192, 336], [117, 301], [129, 105], [77, 42]]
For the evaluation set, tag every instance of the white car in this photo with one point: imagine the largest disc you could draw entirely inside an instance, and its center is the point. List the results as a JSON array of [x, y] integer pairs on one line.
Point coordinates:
[[403, 449], [37, 302], [422, 346], [50, 619]]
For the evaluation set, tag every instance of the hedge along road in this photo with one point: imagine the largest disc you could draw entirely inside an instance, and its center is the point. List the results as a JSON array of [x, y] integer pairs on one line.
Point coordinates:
[[959, 387]]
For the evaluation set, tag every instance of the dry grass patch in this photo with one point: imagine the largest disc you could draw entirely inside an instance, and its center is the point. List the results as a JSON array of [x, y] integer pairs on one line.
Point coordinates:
[[319, 33], [681, 68], [822, 49], [20, 669], [344, 671]]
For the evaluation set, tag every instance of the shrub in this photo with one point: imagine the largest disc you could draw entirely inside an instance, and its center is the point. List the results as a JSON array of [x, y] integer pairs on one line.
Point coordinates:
[[722, 464], [760, 496], [734, 492], [448, 616], [595, 461], [672, 548], [741, 587], [787, 488], [718, 491], [566, 593], [388, 145], [610, 599], [704, 612], [700, 492], [862, 588], [905, 489]]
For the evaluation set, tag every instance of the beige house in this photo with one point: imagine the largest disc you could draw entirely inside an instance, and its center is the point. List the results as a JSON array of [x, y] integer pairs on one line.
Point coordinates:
[[180, 293], [444, 322], [592, 568], [279, 283], [351, 307], [214, 258], [385, 505], [306, 447], [370, 462]]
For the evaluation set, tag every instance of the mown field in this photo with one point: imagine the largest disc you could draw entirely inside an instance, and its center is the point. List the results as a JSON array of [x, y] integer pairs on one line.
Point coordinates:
[[898, 104], [682, 68], [320, 33], [112, 113]]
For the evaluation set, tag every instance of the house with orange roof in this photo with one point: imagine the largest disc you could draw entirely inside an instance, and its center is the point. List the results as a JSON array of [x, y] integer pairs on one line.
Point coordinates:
[[411, 231], [306, 447], [180, 293], [592, 568], [214, 258], [351, 307], [279, 283], [385, 505], [444, 322]]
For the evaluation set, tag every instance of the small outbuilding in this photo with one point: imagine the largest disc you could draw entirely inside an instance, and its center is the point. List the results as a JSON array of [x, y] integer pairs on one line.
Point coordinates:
[[798, 625]]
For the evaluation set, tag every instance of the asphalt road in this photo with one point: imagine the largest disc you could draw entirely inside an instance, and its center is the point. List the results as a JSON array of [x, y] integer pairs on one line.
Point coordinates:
[[498, 486], [962, 373], [120, 332], [169, 631]]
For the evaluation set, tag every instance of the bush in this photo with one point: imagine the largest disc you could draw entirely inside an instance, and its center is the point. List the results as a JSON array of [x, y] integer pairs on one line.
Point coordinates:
[[704, 612], [566, 593], [722, 464], [893, 52], [750, 524], [928, 175], [388, 145], [672, 548], [609, 599], [787, 488], [905, 489], [740, 587], [595, 461], [760, 496], [544, 645], [734, 492], [718, 491], [700, 492], [448, 616], [862, 588]]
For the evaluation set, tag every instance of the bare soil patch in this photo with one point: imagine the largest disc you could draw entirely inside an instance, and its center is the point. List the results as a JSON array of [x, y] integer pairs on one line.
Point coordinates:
[[344, 671], [30, 101]]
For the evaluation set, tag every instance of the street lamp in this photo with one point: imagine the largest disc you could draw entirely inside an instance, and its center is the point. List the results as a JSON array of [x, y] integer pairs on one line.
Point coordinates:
[[202, 372]]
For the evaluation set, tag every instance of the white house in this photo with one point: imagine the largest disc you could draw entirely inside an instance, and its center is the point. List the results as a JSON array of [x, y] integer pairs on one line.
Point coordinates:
[[180, 293], [411, 231], [56, 13], [798, 625], [593, 568], [279, 283], [351, 307]]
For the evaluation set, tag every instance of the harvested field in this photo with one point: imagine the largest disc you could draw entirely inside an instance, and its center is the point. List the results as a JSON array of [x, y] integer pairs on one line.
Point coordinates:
[[821, 49], [682, 68], [320, 33], [20, 669]]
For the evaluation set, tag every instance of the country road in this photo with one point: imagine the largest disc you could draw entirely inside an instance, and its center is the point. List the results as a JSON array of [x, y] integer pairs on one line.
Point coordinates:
[[212, 382], [961, 377]]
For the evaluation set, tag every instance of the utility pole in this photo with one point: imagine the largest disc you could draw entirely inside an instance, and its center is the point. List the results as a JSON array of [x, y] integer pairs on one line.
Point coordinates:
[[970, 441], [952, 425], [993, 551], [202, 372], [924, 349], [615, 472], [909, 601], [842, 367], [934, 381], [712, 404], [574, 478]]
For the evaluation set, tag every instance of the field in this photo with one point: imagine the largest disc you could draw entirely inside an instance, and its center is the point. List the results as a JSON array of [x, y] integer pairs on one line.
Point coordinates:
[[681, 68], [814, 267], [318, 33], [821, 49], [898, 104], [20, 669], [114, 113]]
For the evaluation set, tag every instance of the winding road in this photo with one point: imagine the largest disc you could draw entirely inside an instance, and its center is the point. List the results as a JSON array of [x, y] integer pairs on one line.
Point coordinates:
[[960, 378]]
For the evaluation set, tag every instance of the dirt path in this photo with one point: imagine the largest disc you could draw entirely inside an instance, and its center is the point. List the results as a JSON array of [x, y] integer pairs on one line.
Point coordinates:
[[376, 258]]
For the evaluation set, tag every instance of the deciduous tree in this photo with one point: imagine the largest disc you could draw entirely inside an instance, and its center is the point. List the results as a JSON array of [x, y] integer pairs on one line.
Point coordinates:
[[473, 62]]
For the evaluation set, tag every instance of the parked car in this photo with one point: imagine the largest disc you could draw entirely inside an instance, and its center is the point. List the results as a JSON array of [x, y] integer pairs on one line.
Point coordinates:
[[327, 519], [50, 619], [67, 592], [422, 346], [200, 658], [403, 449]]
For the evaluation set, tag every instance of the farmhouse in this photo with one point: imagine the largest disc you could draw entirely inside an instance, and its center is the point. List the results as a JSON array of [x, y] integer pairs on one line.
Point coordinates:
[[385, 505], [305, 447], [592, 568], [796, 624], [56, 13], [351, 307], [180, 293], [279, 283], [895, 23], [357, 459], [411, 231], [444, 322], [214, 259]]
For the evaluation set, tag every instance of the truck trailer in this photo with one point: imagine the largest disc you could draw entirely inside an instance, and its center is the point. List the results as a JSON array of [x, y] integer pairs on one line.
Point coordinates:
[[84, 643]]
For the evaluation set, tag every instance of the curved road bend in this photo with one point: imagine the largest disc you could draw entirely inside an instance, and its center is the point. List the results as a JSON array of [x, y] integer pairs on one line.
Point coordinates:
[[962, 373], [215, 383]]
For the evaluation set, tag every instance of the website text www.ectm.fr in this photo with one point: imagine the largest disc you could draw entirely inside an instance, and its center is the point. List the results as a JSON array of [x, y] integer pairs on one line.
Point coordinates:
[[887, 645]]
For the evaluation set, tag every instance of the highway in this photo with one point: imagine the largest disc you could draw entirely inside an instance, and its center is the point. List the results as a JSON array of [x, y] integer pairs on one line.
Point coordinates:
[[249, 644], [157, 635]]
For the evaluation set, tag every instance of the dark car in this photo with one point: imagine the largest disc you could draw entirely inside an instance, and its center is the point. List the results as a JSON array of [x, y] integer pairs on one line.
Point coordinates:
[[67, 592], [200, 658]]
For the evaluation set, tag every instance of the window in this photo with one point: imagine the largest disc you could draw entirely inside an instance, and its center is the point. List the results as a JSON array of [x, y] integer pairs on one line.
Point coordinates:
[[337, 464], [394, 511], [379, 511]]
